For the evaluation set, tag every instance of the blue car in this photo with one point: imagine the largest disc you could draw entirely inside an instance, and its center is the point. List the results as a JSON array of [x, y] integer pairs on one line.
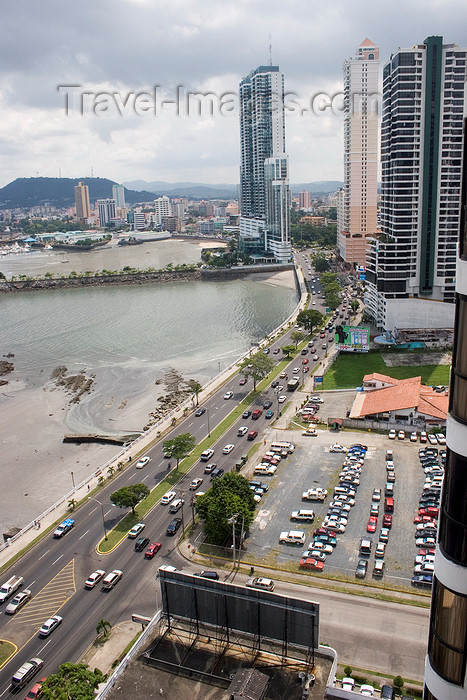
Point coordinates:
[[422, 580], [269, 414]]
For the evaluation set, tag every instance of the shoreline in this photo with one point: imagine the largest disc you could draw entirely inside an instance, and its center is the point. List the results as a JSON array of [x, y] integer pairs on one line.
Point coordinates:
[[38, 468]]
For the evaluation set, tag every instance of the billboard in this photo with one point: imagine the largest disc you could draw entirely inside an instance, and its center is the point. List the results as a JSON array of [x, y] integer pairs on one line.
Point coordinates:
[[352, 338]]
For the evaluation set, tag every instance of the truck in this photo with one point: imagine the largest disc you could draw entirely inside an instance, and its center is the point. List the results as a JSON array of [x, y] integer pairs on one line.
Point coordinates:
[[64, 527], [10, 586], [292, 384], [317, 494]]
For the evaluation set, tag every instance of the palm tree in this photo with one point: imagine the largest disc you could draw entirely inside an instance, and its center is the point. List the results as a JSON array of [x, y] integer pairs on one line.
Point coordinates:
[[103, 627], [71, 504], [196, 387]]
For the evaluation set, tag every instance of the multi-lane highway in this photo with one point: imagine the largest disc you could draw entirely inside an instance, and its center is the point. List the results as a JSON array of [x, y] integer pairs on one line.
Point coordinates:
[[55, 570]]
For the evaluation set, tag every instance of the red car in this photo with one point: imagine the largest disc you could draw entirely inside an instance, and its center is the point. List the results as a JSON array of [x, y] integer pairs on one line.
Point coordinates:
[[320, 531], [36, 691], [306, 369], [313, 564], [423, 519], [152, 550], [426, 552], [372, 524], [305, 361], [242, 381], [429, 510], [387, 521]]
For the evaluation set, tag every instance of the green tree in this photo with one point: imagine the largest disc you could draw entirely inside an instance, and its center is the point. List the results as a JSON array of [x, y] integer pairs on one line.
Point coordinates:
[[129, 496], [103, 628], [320, 262], [179, 446], [398, 682], [195, 388], [309, 319], [296, 337], [257, 367], [71, 504], [355, 305], [288, 350], [72, 682], [228, 496]]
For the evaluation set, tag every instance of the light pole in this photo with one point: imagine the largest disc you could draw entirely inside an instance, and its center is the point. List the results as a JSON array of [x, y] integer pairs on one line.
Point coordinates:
[[276, 391], [90, 498], [72, 479], [209, 429], [232, 520], [182, 493]]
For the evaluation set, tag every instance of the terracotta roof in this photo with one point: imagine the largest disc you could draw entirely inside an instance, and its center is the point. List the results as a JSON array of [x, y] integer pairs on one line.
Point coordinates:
[[366, 42], [432, 403], [405, 394], [380, 378]]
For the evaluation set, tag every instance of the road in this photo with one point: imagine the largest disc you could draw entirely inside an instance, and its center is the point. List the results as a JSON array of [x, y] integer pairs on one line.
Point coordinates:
[[56, 569]]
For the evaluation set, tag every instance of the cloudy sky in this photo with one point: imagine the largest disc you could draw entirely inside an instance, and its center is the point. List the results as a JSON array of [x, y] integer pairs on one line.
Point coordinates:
[[114, 123]]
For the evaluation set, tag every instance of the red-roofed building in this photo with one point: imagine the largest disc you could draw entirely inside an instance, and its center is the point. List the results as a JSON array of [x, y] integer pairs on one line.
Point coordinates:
[[405, 401]]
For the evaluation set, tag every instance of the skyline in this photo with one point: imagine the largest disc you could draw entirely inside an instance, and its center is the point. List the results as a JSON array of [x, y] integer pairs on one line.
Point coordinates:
[[127, 47]]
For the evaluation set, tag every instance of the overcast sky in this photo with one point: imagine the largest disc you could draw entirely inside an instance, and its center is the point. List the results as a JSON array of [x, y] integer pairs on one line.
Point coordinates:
[[114, 50]]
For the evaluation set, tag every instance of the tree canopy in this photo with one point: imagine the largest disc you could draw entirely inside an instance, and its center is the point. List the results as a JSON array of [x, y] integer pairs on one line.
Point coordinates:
[[309, 319], [228, 496], [72, 682], [296, 337], [332, 289], [288, 350], [179, 446], [257, 367], [129, 496], [320, 262]]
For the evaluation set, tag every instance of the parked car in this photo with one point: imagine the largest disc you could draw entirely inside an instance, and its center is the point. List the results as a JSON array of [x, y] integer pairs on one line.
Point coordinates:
[[392, 435], [362, 566], [311, 564]]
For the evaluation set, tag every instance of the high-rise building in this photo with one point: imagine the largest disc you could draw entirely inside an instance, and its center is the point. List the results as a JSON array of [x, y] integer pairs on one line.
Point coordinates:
[[264, 187], [446, 661], [411, 264], [304, 200], [83, 206], [357, 220], [162, 207], [107, 211], [118, 193]]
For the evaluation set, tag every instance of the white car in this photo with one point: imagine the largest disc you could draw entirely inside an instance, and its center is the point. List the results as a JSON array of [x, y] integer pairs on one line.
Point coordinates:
[[18, 601], [142, 462], [167, 567], [441, 438], [135, 530], [348, 684], [296, 370], [337, 448], [316, 399], [432, 439], [228, 449], [168, 498], [49, 626], [321, 547], [94, 578], [264, 584], [413, 437], [344, 507], [367, 690], [228, 395], [195, 483], [282, 398], [392, 435], [311, 432], [242, 431]]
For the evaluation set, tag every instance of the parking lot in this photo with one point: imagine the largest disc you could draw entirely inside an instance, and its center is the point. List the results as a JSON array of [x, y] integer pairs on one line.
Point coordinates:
[[312, 465]]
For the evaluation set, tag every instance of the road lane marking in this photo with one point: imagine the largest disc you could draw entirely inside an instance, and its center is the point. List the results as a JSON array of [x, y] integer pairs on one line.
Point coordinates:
[[85, 533], [93, 511], [56, 560], [41, 650], [43, 555]]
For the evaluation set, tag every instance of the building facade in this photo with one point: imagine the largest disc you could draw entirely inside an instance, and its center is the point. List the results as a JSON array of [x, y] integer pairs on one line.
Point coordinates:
[[162, 207], [446, 661], [357, 220], [264, 186], [304, 200], [411, 266], [83, 206], [118, 193], [107, 211]]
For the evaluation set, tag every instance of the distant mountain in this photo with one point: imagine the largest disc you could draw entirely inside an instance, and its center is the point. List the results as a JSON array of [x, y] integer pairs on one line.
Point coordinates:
[[193, 190], [25, 192], [319, 187]]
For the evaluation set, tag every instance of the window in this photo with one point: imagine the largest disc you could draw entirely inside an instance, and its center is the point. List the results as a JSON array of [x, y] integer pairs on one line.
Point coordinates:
[[446, 643]]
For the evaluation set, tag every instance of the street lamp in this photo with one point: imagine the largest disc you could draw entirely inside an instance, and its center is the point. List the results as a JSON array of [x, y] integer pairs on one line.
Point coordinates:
[[232, 520], [209, 429], [90, 498], [72, 479]]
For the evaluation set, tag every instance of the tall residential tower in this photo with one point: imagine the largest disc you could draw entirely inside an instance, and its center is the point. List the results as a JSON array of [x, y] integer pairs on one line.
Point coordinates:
[[264, 187], [357, 218], [83, 206], [411, 266]]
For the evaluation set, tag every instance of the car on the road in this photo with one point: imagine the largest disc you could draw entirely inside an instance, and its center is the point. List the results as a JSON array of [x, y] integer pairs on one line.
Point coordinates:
[[392, 435], [228, 395], [311, 564], [276, 351], [264, 584], [24, 674], [267, 404], [135, 530], [49, 626], [111, 579], [315, 358], [141, 543], [337, 448], [173, 526], [195, 483], [269, 414], [316, 399], [362, 566], [64, 527], [168, 498], [282, 398], [242, 431], [252, 434], [209, 468], [283, 375], [199, 411], [142, 462], [36, 691], [18, 601], [246, 414], [206, 455], [152, 550], [94, 578], [243, 381], [310, 432], [228, 449]]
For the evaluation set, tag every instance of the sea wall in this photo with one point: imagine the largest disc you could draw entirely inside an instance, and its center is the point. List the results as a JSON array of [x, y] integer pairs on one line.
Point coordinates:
[[157, 277]]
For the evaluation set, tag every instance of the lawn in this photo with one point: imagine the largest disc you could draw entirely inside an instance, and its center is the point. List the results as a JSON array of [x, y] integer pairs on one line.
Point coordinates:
[[349, 369]]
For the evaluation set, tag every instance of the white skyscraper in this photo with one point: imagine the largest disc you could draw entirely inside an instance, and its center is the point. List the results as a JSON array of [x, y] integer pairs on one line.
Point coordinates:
[[264, 187], [162, 207], [411, 266], [357, 218], [107, 211]]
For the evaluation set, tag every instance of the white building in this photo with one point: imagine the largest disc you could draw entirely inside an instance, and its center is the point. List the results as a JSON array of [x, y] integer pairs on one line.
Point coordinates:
[[162, 207], [357, 217], [107, 211], [411, 265]]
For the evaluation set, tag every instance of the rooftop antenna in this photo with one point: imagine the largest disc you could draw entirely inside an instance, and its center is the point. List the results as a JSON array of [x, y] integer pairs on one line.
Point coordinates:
[[270, 50], [92, 171]]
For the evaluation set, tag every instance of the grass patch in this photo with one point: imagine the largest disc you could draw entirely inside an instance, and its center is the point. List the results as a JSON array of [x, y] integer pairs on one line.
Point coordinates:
[[7, 649], [348, 371]]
